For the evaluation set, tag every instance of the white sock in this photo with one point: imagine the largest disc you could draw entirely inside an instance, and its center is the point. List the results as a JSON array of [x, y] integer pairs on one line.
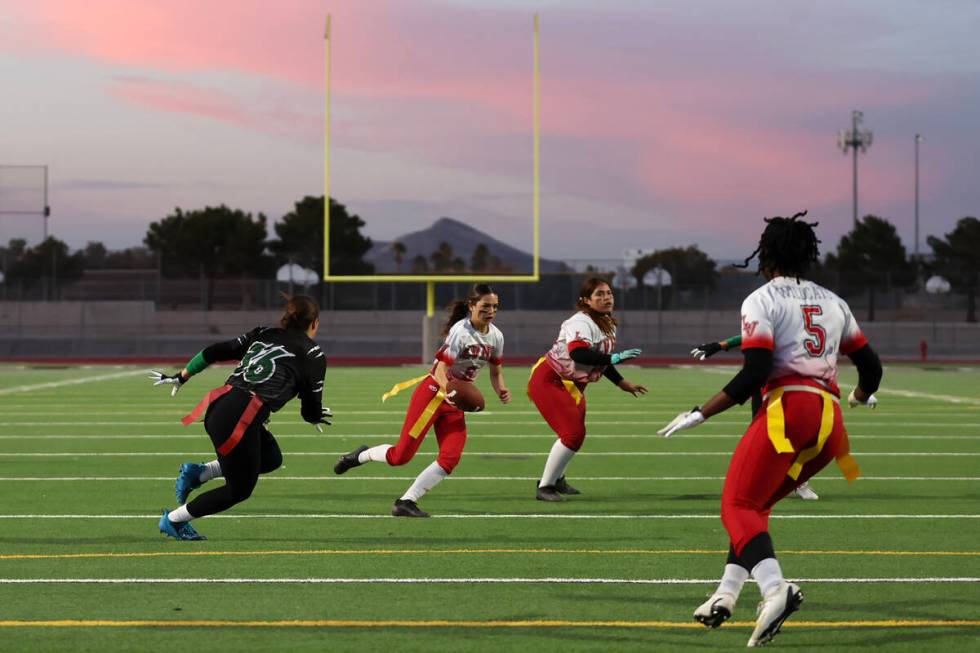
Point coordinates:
[[378, 454], [178, 515], [732, 580], [211, 470], [557, 462], [428, 479], [768, 575]]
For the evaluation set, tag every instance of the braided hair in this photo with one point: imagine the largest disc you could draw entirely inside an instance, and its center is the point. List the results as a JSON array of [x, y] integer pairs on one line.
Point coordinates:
[[787, 245]]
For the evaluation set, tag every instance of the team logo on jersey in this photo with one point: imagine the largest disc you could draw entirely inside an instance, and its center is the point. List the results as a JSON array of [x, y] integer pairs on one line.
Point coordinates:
[[259, 362], [478, 351], [748, 328]]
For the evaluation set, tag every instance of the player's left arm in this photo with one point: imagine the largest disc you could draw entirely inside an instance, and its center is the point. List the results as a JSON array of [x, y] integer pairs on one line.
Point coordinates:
[[498, 383], [869, 370], [220, 351]]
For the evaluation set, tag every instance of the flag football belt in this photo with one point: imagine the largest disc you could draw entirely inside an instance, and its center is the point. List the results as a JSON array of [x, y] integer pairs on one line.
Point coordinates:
[[569, 385], [430, 408], [253, 407], [776, 427]]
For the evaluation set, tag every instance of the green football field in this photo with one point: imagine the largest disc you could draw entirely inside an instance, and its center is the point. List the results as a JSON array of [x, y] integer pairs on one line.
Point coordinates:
[[314, 561]]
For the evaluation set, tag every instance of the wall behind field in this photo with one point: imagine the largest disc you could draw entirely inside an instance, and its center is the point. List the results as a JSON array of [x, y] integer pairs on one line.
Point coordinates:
[[137, 329]]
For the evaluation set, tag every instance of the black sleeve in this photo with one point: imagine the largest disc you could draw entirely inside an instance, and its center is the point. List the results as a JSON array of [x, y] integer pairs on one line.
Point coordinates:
[[311, 391], [868, 365], [755, 370], [587, 356], [612, 374], [230, 350]]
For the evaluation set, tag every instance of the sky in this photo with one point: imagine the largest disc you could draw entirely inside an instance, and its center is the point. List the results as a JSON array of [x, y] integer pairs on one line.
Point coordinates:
[[663, 123]]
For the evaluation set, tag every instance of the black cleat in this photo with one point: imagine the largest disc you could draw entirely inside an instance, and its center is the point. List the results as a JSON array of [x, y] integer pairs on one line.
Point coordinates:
[[407, 508], [349, 460], [548, 493], [562, 486]]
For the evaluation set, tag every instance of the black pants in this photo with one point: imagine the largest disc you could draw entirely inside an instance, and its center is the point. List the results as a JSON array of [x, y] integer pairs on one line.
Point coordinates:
[[256, 453]]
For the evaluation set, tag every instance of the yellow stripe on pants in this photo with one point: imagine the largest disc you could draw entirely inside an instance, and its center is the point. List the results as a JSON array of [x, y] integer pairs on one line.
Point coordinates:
[[776, 427], [569, 385], [426, 415]]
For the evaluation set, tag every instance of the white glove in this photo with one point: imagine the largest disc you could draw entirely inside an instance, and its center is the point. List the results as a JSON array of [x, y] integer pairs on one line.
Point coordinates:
[[160, 378], [325, 416], [854, 402], [687, 420]]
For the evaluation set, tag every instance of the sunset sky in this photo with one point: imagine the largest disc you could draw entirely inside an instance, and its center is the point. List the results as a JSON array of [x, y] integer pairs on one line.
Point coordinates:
[[663, 122]]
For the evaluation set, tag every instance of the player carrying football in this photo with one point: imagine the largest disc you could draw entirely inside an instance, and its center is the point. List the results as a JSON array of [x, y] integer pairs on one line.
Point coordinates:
[[582, 354], [275, 365], [472, 342], [792, 333]]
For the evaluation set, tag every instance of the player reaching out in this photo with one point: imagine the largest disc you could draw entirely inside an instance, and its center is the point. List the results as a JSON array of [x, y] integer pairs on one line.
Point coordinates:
[[275, 365], [708, 349], [472, 342], [792, 332], [582, 354]]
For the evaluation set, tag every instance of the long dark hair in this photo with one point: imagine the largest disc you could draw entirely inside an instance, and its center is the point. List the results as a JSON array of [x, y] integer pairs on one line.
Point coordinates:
[[606, 322], [787, 245], [299, 313], [459, 309]]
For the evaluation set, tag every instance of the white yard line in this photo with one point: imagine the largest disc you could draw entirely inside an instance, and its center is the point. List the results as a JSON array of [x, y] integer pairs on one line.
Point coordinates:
[[67, 382], [492, 516], [499, 454], [334, 477], [456, 581], [480, 436]]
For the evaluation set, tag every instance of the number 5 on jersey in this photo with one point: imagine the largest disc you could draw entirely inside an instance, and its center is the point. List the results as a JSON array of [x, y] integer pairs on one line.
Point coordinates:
[[817, 341]]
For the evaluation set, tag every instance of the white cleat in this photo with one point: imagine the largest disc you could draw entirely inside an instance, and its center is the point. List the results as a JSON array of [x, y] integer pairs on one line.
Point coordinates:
[[806, 492], [773, 611], [716, 610]]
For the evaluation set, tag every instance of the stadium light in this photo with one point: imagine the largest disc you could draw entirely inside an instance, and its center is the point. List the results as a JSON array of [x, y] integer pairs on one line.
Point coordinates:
[[855, 139], [918, 139]]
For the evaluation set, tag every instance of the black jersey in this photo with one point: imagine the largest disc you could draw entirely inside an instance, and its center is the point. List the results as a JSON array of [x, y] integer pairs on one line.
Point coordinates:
[[276, 365]]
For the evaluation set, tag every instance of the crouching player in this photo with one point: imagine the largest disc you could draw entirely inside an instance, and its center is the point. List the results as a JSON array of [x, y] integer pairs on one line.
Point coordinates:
[[276, 364], [792, 332]]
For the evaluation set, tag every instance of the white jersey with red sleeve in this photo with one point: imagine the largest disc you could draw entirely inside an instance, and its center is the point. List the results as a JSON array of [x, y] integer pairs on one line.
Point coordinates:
[[805, 325], [466, 351], [579, 330]]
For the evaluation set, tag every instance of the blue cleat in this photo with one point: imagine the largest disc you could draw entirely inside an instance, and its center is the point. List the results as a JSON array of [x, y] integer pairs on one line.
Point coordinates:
[[187, 481], [179, 530]]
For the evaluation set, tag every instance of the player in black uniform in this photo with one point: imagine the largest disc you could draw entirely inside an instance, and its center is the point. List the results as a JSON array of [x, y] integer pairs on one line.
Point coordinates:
[[276, 364]]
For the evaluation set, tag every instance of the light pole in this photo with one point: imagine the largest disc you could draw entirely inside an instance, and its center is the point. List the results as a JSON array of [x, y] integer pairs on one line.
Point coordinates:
[[855, 139], [918, 139]]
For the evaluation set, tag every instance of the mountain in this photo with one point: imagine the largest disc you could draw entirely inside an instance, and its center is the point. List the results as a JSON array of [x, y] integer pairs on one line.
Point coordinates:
[[462, 238]]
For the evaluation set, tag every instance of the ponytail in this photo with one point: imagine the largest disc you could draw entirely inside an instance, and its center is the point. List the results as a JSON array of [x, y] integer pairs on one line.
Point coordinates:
[[299, 313]]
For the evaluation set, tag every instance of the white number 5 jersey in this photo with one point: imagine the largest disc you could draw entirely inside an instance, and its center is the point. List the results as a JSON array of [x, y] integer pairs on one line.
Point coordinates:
[[805, 325]]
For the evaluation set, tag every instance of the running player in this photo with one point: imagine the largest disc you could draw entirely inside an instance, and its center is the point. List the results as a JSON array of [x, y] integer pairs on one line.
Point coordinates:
[[707, 350], [792, 333], [472, 342], [582, 354], [275, 365]]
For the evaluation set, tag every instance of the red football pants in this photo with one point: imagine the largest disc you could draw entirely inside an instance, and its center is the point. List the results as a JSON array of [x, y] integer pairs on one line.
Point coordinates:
[[558, 405], [426, 409], [757, 475]]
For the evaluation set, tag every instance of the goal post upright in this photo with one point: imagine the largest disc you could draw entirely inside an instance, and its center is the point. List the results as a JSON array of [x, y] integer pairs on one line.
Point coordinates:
[[429, 279]]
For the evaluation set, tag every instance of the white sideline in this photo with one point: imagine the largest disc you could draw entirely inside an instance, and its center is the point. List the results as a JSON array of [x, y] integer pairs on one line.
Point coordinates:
[[454, 581], [481, 436], [58, 384]]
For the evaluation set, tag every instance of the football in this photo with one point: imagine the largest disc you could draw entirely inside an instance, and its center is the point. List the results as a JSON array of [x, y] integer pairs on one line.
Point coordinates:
[[465, 395]]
